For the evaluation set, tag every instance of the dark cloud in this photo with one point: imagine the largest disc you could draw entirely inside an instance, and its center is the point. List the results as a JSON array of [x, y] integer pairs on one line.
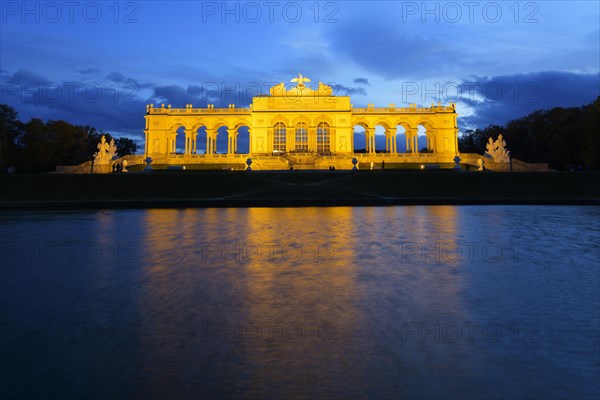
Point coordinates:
[[120, 78], [200, 96], [341, 90], [362, 81], [499, 99], [103, 105], [114, 108], [195, 90], [177, 95], [121, 108], [27, 78]]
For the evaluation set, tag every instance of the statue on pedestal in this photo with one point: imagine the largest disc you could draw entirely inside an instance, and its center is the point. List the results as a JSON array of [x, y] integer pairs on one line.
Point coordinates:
[[102, 157], [112, 150], [497, 150], [106, 151]]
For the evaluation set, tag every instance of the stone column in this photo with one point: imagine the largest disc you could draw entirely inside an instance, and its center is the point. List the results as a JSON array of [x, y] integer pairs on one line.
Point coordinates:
[[187, 142], [391, 140], [373, 147], [173, 143], [210, 142], [229, 134], [249, 141], [190, 142], [232, 140], [312, 138], [146, 142], [414, 139], [370, 133]]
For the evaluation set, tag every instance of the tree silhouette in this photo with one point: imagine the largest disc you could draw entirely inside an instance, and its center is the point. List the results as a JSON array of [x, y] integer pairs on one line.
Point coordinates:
[[38, 146], [565, 138]]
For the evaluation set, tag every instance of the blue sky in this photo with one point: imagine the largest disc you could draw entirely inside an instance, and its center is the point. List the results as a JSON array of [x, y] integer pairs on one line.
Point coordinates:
[[100, 63]]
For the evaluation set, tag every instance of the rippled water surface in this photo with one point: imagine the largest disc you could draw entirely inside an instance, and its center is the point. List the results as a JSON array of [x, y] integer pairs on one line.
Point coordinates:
[[393, 302]]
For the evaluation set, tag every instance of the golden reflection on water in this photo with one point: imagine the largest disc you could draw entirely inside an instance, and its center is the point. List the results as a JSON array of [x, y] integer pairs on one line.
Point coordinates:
[[294, 290], [306, 298]]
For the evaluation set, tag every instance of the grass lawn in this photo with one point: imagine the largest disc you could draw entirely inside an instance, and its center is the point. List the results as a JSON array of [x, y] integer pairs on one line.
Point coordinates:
[[296, 188]]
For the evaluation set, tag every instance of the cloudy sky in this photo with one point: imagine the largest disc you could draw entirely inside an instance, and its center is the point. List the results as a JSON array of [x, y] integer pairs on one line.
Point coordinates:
[[100, 63]]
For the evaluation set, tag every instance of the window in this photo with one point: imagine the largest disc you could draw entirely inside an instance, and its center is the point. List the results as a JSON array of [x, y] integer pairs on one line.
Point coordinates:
[[301, 137], [279, 137], [323, 137]]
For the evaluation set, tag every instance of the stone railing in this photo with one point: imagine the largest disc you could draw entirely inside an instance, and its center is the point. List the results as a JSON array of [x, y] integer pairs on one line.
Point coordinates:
[[514, 166], [177, 111], [393, 155], [86, 167], [402, 109]]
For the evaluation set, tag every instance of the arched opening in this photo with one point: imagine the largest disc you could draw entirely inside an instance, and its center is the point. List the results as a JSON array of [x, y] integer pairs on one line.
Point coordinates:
[[243, 140], [279, 138], [360, 139], [425, 135], [301, 138], [200, 140], [323, 138], [180, 140], [380, 145], [222, 137], [173, 139], [401, 138]]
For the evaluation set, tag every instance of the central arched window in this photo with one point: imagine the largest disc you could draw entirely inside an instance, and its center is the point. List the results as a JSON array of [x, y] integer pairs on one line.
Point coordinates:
[[301, 137], [323, 137], [279, 137]]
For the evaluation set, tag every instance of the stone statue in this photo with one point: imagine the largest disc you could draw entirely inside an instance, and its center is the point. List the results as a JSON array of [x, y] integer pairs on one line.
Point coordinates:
[[112, 150], [278, 90], [497, 150], [324, 90], [124, 166], [502, 153], [489, 147], [102, 157], [300, 81]]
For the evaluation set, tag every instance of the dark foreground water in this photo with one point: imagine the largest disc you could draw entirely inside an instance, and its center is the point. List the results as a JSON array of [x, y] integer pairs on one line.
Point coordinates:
[[394, 302]]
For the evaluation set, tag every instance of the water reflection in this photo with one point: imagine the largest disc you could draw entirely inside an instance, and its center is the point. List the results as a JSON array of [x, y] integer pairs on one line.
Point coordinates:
[[267, 287], [304, 302], [431, 302]]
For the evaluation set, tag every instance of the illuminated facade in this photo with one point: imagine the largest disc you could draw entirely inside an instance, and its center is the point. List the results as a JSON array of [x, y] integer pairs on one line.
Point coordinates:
[[300, 127]]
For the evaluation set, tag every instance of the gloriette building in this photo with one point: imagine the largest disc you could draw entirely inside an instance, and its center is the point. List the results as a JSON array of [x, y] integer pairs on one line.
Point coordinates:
[[300, 127]]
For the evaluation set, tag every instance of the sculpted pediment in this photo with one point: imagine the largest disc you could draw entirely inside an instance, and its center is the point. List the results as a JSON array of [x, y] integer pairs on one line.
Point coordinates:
[[300, 89]]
